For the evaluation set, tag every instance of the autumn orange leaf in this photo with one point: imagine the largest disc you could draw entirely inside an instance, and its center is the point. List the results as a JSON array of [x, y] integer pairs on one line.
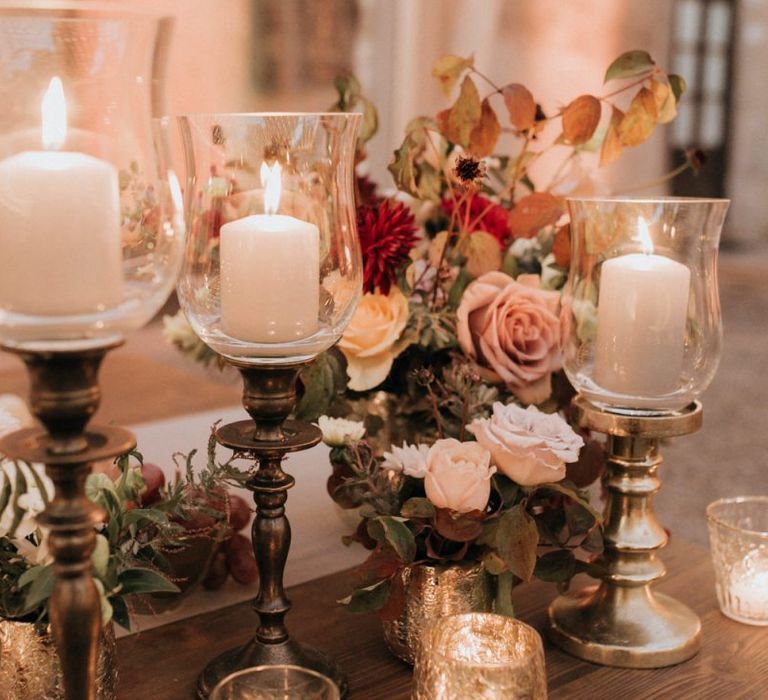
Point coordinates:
[[449, 69], [666, 104], [533, 213], [561, 246], [580, 119], [457, 123], [640, 120], [484, 136], [520, 105], [612, 147]]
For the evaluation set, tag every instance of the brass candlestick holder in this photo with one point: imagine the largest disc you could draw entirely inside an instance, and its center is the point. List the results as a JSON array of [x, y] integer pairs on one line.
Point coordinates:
[[64, 395], [269, 396], [622, 621]]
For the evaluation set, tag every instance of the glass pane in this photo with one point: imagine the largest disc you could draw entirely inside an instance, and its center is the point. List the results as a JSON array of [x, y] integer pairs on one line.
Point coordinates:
[[715, 75], [685, 64], [682, 127], [688, 21], [718, 23], [711, 133]]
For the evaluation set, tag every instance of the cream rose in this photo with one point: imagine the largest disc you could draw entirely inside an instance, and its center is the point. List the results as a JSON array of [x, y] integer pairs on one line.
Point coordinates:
[[512, 328], [370, 342], [528, 446], [458, 475]]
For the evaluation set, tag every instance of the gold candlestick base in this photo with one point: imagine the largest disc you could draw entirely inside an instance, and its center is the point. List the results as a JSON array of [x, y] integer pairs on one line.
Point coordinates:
[[64, 395], [622, 621], [269, 396]]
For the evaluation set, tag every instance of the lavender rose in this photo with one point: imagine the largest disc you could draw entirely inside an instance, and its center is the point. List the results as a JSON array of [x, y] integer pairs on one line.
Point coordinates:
[[512, 328], [458, 475], [528, 446]]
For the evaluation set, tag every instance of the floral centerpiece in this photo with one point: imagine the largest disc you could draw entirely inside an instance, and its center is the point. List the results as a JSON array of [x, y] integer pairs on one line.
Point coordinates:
[[452, 364]]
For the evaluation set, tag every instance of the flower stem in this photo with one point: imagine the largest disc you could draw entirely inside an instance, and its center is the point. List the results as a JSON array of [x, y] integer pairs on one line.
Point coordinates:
[[504, 586]]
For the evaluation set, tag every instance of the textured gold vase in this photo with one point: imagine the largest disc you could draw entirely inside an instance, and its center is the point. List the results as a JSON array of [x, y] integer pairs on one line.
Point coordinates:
[[432, 592], [30, 667]]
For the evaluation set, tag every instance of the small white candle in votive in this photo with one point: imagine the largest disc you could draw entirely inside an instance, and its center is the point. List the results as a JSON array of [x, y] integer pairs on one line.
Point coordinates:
[[270, 272], [60, 236], [748, 589], [641, 319]]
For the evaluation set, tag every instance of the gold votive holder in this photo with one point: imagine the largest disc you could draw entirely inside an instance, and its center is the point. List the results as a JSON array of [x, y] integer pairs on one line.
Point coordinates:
[[282, 682], [479, 655], [738, 535]]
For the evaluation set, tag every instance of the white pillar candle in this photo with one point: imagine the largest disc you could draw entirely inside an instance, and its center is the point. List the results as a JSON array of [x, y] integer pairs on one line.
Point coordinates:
[[60, 237], [270, 273], [641, 320]]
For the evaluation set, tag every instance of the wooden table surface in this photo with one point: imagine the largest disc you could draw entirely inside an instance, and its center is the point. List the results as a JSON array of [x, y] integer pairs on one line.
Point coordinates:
[[163, 664]]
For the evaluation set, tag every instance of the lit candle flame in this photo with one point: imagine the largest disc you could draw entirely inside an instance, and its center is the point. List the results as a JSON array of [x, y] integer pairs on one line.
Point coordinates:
[[271, 181], [54, 113], [644, 236]]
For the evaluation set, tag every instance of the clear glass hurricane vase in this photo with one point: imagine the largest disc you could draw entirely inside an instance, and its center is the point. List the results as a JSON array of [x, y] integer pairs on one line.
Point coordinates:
[[91, 227], [641, 312], [272, 271]]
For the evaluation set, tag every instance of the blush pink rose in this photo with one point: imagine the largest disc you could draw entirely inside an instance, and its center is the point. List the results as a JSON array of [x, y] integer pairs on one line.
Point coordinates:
[[458, 475], [528, 446], [512, 328]]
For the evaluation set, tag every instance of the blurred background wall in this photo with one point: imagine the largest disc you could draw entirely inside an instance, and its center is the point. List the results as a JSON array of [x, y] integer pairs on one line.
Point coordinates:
[[237, 55]]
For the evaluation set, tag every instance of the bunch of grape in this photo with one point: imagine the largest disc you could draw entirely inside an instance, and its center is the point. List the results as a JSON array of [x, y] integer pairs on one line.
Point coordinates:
[[233, 553]]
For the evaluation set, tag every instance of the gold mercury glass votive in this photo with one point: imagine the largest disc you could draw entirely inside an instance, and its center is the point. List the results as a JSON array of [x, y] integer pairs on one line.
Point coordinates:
[[738, 535], [482, 656]]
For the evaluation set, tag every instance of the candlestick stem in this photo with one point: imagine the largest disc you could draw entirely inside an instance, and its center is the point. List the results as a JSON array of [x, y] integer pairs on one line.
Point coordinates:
[[623, 622], [269, 396], [64, 395]]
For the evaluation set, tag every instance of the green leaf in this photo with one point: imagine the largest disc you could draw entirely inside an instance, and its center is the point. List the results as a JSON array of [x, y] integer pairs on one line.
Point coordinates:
[[678, 85], [556, 566], [41, 487], [368, 599], [20, 489], [565, 488], [418, 508], [141, 580], [324, 380], [100, 556], [96, 484], [137, 516], [629, 64], [40, 580], [396, 533], [5, 494], [120, 613], [517, 538], [457, 288]]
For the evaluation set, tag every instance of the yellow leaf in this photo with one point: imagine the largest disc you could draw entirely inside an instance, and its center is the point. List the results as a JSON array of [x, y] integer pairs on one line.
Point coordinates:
[[612, 147], [666, 105], [640, 120], [533, 213], [484, 136], [520, 104], [482, 251], [448, 70], [580, 119], [457, 123]]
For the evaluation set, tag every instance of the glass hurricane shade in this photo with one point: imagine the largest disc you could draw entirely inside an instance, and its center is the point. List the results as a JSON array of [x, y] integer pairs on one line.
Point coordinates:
[[641, 310], [91, 214], [272, 271]]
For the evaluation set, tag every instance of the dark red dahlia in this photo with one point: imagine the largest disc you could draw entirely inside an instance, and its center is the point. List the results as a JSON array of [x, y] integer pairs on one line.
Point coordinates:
[[493, 219], [387, 234], [366, 193]]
